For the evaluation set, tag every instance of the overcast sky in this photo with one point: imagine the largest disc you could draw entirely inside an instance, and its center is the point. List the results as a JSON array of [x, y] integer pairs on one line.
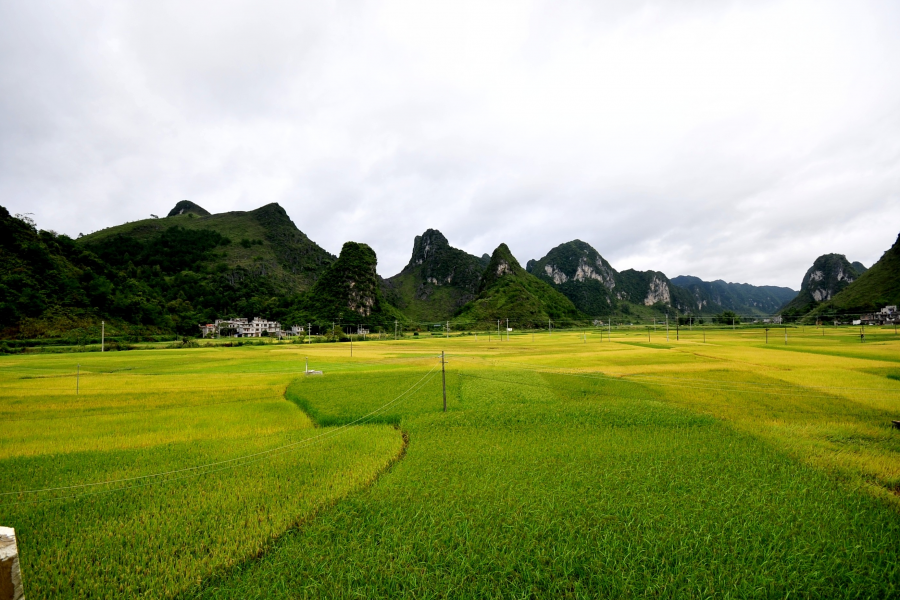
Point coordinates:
[[726, 140]]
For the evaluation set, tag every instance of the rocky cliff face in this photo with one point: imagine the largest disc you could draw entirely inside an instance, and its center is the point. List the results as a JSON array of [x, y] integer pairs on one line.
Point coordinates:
[[579, 272], [590, 282], [348, 290], [829, 275], [437, 280], [657, 291], [502, 263], [507, 291], [874, 289], [644, 287], [573, 261]]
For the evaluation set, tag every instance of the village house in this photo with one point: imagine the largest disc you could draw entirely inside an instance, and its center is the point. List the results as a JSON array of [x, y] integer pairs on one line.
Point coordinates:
[[241, 328], [886, 316]]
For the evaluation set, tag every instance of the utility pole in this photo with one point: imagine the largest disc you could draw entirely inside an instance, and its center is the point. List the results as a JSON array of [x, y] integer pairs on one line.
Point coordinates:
[[507, 329], [448, 329], [500, 337], [677, 331], [332, 329], [102, 335], [351, 345], [767, 335], [785, 336], [732, 323], [77, 376], [444, 381], [309, 333], [549, 327]]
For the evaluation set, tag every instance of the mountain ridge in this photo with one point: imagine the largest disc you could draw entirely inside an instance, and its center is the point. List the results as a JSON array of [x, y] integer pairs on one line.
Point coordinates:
[[437, 281], [507, 291], [828, 275], [877, 287]]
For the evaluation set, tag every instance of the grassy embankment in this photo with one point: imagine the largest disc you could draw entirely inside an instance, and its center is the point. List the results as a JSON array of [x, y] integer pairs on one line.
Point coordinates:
[[565, 466]]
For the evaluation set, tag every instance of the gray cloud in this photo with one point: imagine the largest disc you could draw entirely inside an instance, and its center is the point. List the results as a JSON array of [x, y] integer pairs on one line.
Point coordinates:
[[724, 140]]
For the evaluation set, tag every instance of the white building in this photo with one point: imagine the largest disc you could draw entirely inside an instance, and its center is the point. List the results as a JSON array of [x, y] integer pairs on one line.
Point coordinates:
[[242, 328]]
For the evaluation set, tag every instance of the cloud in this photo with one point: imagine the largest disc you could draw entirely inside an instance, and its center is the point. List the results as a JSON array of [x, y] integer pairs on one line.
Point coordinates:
[[724, 140]]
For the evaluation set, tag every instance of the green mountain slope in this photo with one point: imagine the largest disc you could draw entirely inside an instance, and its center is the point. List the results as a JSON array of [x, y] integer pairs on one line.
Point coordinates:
[[266, 247], [50, 285], [828, 276], [872, 290], [348, 291], [579, 272], [713, 297], [437, 281], [507, 291]]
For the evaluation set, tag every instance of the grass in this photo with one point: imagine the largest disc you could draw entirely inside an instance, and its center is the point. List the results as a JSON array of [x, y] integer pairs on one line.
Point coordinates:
[[565, 466]]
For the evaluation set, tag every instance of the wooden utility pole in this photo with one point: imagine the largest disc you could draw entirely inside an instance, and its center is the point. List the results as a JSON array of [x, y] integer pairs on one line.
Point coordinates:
[[444, 381], [77, 376]]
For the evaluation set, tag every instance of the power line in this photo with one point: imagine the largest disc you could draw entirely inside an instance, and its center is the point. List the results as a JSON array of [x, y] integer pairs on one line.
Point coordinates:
[[237, 461]]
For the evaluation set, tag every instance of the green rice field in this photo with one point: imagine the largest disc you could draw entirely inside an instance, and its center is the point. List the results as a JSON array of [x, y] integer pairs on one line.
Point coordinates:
[[571, 465]]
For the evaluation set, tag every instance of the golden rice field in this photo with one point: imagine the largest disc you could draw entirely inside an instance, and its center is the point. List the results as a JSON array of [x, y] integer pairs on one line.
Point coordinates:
[[571, 465]]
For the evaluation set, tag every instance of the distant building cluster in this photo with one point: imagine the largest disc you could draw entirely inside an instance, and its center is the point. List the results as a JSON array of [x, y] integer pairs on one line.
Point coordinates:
[[886, 316], [243, 328]]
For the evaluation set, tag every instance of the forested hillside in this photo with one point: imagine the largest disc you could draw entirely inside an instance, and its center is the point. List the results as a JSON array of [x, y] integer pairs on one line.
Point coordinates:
[[347, 292], [874, 289], [438, 280], [829, 274], [50, 285], [742, 298], [507, 291], [168, 275]]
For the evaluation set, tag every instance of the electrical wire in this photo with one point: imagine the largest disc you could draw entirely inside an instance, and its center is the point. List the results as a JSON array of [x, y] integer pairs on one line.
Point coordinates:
[[237, 461]]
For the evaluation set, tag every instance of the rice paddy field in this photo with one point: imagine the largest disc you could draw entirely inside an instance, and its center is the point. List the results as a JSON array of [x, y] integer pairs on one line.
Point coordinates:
[[571, 465]]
